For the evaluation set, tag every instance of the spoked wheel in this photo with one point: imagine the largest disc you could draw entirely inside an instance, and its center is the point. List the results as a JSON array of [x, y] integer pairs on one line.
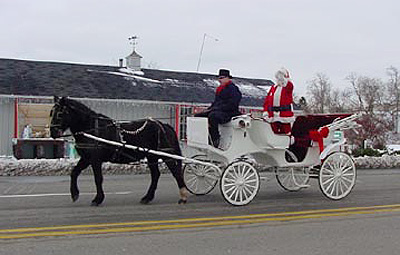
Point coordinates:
[[200, 179], [337, 175], [293, 178], [240, 183]]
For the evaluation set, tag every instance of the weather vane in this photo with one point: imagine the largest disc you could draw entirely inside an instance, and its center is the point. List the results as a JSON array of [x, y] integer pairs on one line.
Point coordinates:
[[133, 41]]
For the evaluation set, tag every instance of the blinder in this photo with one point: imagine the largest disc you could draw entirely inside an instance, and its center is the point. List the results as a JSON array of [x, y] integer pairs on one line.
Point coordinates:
[[57, 114]]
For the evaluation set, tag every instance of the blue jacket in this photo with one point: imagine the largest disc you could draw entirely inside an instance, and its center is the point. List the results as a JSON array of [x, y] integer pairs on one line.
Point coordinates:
[[227, 100]]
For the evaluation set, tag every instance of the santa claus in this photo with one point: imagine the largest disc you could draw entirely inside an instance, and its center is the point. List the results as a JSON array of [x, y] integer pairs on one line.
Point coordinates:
[[278, 105]]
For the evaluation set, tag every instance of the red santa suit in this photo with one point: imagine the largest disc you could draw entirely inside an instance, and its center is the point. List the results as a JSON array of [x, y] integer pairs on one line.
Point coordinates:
[[278, 104]]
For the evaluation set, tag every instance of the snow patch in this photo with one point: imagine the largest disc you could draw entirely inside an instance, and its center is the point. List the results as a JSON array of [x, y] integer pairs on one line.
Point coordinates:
[[211, 82], [251, 90], [386, 161], [126, 75], [392, 148], [9, 166], [130, 71]]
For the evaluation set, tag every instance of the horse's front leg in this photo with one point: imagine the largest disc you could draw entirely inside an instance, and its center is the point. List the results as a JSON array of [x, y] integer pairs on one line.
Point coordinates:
[[82, 164], [155, 175], [98, 178]]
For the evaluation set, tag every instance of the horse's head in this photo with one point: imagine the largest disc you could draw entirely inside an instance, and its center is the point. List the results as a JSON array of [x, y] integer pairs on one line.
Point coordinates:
[[60, 117]]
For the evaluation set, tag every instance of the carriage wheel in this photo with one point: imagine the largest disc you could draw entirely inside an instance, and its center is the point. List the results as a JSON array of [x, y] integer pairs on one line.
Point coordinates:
[[200, 179], [292, 178], [337, 175], [240, 183]]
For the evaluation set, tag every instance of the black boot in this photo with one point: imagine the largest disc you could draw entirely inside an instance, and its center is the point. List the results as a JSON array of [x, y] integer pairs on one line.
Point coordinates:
[[216, 142]]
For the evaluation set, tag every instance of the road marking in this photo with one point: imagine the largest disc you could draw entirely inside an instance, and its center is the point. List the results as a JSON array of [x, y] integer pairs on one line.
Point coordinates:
[[141, 226], [61, 194]]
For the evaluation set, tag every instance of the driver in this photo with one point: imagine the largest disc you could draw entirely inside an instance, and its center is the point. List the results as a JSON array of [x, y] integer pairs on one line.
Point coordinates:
[[224, 107]]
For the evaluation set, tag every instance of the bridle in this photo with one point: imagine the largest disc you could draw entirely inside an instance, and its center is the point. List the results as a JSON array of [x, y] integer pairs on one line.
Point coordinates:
[[63, 110], [58, 115]]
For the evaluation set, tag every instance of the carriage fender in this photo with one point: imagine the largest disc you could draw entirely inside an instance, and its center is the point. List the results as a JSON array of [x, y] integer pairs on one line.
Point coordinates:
[[331, 148], [242, 121]]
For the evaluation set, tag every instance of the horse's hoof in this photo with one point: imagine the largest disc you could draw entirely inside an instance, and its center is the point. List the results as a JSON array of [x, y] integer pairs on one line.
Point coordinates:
[[74, 198], [144, 201], [182, 201], [94, 203]]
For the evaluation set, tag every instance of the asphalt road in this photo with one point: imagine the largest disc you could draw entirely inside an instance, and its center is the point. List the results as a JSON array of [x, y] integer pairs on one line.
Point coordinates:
[[38, 217]]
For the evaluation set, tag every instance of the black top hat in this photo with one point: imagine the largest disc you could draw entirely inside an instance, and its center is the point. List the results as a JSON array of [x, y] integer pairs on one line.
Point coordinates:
[[224, 73]]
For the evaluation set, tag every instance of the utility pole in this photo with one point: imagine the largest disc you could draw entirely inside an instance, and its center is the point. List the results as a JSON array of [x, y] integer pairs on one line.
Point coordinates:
[[202, 48]]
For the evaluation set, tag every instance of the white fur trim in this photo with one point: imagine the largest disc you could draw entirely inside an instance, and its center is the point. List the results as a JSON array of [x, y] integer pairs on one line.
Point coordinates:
[[277, 96]]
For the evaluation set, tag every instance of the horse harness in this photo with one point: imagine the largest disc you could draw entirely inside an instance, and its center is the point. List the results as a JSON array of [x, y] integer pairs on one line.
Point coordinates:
[[121, 132]]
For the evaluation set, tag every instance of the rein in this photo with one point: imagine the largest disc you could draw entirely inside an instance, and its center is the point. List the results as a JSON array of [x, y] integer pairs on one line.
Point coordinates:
[[158, 118], [96, 128]]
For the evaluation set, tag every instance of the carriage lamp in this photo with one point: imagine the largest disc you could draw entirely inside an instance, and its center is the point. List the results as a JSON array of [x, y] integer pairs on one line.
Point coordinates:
[[242, 124]]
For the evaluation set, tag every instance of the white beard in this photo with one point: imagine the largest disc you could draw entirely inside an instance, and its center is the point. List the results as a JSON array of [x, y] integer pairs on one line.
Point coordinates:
[[282, 82]]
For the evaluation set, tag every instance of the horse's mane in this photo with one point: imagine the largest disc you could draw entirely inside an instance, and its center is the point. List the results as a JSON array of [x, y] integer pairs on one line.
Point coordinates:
[[76, 105]]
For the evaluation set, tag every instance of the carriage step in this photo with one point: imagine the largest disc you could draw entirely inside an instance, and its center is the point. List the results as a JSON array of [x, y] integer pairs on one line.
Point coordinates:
[[304, 186]]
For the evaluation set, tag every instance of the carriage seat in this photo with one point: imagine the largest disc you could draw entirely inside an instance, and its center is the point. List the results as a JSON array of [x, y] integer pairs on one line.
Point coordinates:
[[263, 136], [306, 123], [301, 131]]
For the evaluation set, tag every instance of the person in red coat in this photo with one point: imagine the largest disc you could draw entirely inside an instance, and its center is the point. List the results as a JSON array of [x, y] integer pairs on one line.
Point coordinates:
[[278, 104]]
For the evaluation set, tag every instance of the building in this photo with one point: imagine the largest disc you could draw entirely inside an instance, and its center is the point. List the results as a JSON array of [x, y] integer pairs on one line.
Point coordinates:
[[133, 61], [27, 88], [43, 78]]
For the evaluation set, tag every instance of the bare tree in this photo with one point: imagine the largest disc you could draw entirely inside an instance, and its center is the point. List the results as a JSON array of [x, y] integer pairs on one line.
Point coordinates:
[[369, 93], [378, 100], [319, 90], [393, 87], [341, 101], [369, 99], [359, 104]]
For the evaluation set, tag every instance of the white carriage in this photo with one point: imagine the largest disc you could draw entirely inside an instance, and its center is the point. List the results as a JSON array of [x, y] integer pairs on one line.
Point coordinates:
[[248, 144]]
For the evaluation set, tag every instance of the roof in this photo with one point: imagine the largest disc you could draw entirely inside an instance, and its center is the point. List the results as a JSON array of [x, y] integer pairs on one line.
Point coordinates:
[[134, 54], [43, 78]]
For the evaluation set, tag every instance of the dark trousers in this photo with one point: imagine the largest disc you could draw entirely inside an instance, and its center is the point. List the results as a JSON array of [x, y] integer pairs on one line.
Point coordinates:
[[214, 118]]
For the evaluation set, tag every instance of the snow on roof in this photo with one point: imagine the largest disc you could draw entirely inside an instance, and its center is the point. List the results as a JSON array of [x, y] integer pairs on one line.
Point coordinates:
[[43, 78], [126, 75]]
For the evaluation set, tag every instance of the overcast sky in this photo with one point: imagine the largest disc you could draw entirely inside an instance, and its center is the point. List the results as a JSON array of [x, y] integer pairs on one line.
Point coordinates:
[[255, 37]]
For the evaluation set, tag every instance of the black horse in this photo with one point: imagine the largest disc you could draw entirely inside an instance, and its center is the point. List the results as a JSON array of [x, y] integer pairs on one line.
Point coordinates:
[[147, 133]]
